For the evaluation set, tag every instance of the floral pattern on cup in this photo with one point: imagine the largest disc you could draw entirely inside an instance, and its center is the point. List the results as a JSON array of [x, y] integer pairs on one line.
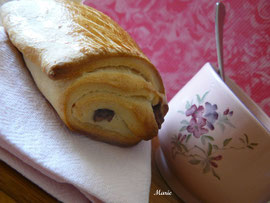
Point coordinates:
[[200, 120]]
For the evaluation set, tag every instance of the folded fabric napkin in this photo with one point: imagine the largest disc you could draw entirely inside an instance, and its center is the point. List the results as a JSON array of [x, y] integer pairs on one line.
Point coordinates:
[[70, 166]]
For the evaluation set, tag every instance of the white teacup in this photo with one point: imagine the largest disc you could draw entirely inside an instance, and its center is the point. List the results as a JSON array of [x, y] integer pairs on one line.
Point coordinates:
[[215, 143]]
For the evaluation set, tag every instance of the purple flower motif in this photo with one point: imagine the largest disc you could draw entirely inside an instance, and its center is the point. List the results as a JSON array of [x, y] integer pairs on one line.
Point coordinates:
[[195, 112], [228, 112], [196, 127], [181, 137], [216, 158], [211, 115]]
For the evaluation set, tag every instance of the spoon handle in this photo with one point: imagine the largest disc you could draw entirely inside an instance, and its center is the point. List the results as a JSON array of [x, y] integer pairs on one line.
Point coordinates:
[[219, 22]]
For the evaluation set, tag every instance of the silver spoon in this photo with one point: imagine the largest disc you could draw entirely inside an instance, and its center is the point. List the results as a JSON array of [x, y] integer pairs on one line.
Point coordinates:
[[219, 22]]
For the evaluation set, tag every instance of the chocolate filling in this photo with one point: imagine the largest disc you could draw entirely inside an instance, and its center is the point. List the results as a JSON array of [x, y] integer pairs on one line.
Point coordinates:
[[159, 112], [103, 114]]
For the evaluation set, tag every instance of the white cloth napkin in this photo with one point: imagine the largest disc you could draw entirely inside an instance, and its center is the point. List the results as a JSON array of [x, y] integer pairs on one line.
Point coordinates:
[[71, 167]]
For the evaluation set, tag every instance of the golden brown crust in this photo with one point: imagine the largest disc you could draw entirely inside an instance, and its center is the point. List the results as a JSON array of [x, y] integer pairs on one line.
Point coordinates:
[[76, 26]]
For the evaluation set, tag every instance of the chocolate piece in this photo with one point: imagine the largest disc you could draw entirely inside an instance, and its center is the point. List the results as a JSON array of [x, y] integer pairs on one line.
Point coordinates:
[[159, 112], [103, 114]]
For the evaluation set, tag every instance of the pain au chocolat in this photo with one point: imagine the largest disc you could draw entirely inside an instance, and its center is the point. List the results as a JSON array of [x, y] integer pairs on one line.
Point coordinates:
[[89, 69]]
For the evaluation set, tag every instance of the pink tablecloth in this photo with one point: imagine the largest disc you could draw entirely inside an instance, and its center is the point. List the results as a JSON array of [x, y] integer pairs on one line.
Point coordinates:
[[178, 37]]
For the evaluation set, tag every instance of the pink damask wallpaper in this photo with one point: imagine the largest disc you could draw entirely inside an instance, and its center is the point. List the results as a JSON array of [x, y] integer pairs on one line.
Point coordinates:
[[178, 36]]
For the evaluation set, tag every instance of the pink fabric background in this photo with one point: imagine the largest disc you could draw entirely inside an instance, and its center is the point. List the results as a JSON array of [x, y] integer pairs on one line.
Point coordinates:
[[178, 37]]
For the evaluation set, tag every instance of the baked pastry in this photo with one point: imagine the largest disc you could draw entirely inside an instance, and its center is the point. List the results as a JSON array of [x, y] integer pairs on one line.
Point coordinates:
[[89, 69]]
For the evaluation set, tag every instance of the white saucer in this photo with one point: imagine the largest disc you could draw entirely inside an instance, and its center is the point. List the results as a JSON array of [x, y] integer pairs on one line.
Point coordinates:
[[171, 179]]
